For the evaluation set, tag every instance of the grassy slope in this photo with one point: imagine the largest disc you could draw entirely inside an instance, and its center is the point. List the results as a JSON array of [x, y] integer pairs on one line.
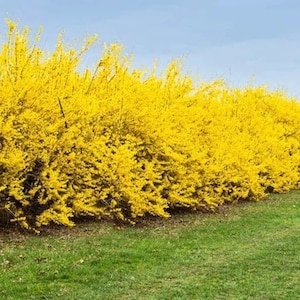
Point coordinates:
[[248, 251]]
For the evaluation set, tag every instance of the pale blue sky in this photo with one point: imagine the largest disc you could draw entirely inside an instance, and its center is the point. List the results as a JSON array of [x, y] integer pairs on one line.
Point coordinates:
[[233, 39]]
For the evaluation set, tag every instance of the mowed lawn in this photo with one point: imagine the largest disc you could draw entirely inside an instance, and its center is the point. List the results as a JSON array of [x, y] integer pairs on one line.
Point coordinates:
[[245, 251]]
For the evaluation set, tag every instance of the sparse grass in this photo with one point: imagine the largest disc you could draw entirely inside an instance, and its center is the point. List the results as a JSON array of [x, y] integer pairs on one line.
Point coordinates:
[[247, 251]]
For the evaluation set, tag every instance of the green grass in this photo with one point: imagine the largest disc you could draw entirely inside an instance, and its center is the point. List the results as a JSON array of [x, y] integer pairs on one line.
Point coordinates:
[[247, 251]]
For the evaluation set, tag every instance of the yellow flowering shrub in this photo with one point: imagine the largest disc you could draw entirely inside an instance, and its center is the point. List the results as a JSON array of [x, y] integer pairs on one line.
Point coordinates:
[[121, 143]]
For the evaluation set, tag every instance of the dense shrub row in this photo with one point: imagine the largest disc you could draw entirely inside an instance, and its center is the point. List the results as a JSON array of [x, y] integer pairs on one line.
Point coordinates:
[[120, 143]]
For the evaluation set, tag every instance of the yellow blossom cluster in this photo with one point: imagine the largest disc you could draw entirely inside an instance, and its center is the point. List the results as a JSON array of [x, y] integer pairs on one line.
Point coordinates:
[[121, 143]]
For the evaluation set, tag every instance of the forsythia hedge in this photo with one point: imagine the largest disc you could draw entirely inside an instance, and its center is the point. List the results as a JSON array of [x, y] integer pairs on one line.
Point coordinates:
[[121, 143]]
